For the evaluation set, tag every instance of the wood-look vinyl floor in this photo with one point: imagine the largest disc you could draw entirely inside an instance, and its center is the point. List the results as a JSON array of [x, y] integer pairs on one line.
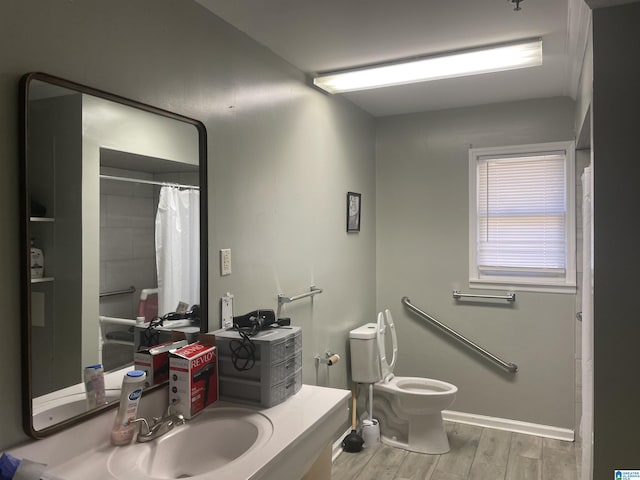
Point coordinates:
[[476, 454]]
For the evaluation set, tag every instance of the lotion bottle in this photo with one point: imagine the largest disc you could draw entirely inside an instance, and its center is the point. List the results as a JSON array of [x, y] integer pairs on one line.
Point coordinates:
[[94, 385], [123, 430]]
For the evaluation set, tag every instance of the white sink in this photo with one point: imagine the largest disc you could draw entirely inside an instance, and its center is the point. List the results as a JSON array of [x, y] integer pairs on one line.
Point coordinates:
[[211, 443]]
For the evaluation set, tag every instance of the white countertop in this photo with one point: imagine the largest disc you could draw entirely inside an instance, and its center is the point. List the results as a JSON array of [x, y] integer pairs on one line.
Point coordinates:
[[302, 426]]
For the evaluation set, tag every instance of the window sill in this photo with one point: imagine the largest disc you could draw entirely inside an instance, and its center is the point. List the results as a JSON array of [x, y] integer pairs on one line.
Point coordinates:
[[521, 286]]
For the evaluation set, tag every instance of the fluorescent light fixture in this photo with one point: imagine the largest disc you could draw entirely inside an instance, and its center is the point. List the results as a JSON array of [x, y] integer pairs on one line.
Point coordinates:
[[495, 58]]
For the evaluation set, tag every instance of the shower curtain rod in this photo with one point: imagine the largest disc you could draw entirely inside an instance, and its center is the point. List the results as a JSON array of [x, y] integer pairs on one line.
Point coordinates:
[[148, 182]]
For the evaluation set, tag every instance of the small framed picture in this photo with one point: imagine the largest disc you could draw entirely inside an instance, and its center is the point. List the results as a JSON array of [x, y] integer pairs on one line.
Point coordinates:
[[353, 211]]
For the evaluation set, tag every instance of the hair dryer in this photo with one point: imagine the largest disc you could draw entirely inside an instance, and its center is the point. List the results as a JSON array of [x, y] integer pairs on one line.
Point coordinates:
[[205, 374]]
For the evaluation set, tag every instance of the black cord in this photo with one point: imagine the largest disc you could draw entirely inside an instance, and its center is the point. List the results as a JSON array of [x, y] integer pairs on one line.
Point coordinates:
[[243, 352], [151, 336]]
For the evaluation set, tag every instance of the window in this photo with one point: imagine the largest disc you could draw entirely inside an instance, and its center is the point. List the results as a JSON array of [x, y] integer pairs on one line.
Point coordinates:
[[521, 217]]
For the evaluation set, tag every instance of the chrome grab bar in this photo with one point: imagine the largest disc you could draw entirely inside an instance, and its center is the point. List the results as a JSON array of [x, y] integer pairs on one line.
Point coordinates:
[[127, 322], [282, 298], [510, 367], [125, 291], [509, 297]]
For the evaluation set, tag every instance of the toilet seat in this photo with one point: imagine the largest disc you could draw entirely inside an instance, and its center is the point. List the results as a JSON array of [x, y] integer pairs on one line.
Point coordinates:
[[417, 386], [386, 368]]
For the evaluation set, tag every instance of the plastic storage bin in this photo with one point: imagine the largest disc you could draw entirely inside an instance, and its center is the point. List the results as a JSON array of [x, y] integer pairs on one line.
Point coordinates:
[[276, 373]]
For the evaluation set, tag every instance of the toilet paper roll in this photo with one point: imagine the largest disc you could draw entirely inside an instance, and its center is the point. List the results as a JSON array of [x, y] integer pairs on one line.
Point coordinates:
[[333, 359]]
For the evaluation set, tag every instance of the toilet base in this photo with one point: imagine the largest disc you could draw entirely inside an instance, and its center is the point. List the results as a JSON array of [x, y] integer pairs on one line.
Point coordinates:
[[426, 435]]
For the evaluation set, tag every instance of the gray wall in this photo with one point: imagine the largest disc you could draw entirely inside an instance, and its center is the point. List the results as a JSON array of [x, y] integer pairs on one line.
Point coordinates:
[[584, 95], [281, 158], [423, 252], [616, 75]]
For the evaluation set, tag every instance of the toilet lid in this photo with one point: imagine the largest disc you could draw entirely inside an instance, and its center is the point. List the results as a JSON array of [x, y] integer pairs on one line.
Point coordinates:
[[386, 322]]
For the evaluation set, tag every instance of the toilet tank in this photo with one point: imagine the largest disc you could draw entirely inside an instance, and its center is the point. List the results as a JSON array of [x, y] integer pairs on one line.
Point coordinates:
[[365, 362]]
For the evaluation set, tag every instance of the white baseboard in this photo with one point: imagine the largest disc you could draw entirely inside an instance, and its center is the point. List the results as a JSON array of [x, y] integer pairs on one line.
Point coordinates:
[[337, 445], [536, 429]]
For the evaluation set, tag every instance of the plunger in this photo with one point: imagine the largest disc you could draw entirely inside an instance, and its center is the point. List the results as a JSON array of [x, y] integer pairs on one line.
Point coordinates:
[[352, 443]]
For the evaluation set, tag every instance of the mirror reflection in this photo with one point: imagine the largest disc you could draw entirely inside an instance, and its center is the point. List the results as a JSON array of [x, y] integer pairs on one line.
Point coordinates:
[[114, 230]]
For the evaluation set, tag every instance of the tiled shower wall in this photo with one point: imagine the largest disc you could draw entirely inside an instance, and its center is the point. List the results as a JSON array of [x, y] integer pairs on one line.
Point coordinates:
[[127, 245], [582, 160]]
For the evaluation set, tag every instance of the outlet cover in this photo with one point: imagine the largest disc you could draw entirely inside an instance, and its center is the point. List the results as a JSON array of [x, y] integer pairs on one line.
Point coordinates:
[[227, 310], [225, 261]]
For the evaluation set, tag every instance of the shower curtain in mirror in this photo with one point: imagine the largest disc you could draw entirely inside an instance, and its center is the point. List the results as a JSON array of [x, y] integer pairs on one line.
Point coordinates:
[[178, 248], [586, 422]]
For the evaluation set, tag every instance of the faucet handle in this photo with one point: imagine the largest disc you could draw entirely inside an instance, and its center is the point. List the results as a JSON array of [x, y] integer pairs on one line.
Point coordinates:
[[176, 418], [179, 419], [171, 411], [142, 421]]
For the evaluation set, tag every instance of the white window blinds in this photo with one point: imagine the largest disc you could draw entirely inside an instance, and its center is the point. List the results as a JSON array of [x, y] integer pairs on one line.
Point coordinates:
[[522, 217], [522, 214]]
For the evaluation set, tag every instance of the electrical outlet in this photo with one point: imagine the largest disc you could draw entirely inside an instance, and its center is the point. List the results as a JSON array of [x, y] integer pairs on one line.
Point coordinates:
[[225, 261]]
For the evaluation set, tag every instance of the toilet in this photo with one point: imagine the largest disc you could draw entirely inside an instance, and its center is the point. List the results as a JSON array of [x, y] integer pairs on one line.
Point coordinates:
[[409, 409]]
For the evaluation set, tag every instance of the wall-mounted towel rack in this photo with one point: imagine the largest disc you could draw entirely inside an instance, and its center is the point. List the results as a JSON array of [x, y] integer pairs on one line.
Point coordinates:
[[313, 290], [125, 291], [508, 366], [509, 297]]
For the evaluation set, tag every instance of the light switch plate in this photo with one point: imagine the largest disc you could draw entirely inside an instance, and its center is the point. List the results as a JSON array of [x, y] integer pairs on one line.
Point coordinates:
[[225, 261], [227, 310]]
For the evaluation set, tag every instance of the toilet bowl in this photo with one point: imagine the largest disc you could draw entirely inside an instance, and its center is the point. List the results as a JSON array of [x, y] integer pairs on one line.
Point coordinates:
[[417, 395], [409, 409]]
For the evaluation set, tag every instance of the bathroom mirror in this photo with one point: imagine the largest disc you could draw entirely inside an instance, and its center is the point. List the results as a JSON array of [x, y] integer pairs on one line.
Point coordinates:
[[113, 235]]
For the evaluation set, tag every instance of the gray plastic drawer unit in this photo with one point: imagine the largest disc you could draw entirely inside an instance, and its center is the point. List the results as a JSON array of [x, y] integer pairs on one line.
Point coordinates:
[[276, 373]]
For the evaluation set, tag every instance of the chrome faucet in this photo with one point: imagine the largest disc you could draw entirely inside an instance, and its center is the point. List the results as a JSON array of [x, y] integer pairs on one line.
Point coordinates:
[[160, 426]]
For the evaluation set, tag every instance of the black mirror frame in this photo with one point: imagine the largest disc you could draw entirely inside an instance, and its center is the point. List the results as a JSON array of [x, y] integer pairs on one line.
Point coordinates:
[[24, 254]]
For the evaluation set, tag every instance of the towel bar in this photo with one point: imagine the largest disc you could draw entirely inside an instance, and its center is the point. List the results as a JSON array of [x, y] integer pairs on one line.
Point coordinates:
[[282, 298], [509, 297]]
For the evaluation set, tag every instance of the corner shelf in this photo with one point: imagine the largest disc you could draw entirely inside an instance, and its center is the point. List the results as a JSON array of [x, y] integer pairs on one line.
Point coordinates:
[[42, 280], [42, 220]]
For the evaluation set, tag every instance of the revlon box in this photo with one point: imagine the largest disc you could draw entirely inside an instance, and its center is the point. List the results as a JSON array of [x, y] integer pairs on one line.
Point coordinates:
[[193, 376], [154, 361]]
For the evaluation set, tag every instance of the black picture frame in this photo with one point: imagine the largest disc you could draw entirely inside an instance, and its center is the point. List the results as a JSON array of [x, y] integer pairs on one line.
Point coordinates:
[[354, 210]]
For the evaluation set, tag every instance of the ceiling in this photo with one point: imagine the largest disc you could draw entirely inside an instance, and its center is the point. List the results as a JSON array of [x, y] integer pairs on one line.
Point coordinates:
[[319, 36]]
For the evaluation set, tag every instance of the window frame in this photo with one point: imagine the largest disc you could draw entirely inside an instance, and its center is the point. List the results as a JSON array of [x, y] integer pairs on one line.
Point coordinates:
[[565, 284]]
